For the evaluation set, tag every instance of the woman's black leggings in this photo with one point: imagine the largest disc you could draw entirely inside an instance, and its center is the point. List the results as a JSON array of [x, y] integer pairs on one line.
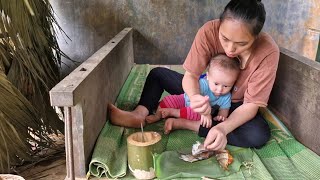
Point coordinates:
[[158, 80], [253, 133]]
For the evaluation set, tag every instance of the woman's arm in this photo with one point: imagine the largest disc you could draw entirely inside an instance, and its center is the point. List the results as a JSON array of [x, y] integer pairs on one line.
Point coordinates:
[[217, 136], [198, 103], [190, 84]]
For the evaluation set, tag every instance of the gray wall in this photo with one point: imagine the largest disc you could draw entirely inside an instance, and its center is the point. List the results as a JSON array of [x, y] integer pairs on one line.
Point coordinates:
[[295, 25], [164, 29]]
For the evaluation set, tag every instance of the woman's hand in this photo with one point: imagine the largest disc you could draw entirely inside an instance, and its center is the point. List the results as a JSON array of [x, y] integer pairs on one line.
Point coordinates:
[[200, 104], [216, 139]]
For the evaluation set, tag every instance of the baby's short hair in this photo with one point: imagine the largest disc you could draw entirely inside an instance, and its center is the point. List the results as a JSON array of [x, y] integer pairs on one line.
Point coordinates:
[[222, 60]]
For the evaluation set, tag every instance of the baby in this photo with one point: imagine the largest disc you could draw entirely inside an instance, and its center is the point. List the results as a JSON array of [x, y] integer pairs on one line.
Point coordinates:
[[217, 84]]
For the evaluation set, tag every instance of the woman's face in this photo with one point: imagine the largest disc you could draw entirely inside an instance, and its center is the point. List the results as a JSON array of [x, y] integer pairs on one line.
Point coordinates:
[[235, 37]]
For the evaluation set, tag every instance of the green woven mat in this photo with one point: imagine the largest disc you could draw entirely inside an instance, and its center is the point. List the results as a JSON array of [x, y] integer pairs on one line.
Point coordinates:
[[281, 158]]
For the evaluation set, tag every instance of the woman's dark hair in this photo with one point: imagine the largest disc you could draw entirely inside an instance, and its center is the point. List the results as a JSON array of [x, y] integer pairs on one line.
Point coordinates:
[[251, 12]]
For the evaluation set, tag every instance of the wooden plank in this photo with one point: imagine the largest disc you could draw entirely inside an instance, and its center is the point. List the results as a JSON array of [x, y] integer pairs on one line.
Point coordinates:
[[87, 91], [295, 97], [66, 93]]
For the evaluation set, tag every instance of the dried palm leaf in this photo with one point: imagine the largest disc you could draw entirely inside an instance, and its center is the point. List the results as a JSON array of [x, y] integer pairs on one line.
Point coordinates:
[[30, 59], [20, 126]]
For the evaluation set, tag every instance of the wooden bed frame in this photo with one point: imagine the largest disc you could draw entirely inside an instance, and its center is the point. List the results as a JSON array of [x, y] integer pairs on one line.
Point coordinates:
[[85, 92]]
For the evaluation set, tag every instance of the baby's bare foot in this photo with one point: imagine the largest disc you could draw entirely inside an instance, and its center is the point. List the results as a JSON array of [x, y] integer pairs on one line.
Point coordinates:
[[179, 123], [169, 125], [169, 112], [152, 118]]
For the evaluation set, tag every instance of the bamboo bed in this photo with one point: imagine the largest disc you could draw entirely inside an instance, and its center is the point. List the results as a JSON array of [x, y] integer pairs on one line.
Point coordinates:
[[85, 92]]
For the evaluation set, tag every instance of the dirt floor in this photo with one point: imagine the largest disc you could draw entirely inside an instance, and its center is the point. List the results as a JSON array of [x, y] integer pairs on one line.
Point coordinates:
[[51, 167], [54, 169]]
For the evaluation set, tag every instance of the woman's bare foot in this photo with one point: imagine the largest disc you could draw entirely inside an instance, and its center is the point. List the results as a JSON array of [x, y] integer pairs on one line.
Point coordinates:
[[169, 112], [131, 119], [180, 123], [163, 113]]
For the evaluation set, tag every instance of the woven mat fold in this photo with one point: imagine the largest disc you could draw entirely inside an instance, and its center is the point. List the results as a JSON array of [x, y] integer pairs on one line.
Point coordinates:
[[109, 154]]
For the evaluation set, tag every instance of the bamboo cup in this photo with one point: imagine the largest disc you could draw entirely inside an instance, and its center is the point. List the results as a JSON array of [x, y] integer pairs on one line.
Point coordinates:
[[141, 146]]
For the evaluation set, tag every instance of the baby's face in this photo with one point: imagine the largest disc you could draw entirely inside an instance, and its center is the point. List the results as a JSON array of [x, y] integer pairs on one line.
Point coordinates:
[[221, 80]]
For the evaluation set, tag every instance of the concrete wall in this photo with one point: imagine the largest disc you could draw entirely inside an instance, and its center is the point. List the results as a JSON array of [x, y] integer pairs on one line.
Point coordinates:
[[164, 29], [295, 25]]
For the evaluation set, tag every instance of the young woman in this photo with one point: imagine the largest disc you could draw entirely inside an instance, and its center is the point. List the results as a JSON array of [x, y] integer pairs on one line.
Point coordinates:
[[237, 34]]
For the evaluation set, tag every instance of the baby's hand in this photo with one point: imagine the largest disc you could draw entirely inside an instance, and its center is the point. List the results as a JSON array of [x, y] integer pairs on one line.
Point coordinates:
[[206, 120], [219, 118]]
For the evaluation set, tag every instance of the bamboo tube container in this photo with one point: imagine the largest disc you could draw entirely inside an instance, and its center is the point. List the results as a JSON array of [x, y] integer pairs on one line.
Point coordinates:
[[141, 146]]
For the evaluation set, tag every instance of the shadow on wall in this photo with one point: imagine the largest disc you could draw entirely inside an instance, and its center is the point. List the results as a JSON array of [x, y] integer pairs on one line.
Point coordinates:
[[165, 29], [144, 49], [88, 24]]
